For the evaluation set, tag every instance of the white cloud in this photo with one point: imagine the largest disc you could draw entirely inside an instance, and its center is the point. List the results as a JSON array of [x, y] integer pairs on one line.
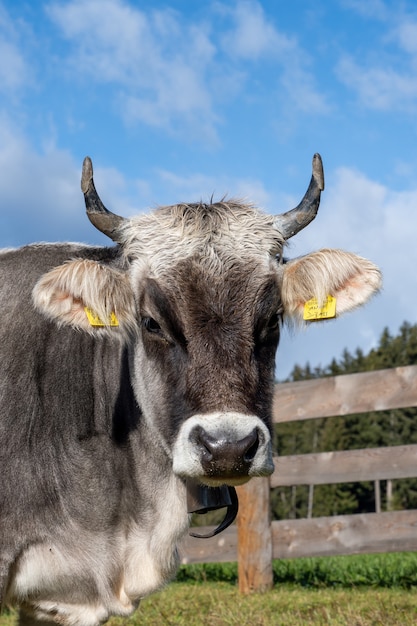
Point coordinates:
[[110, 36], [380, 87], [174, 72], [386, 81], [159, 62], [251, 36], [12, 67], [300, 88], [406, 35], [14, 70]]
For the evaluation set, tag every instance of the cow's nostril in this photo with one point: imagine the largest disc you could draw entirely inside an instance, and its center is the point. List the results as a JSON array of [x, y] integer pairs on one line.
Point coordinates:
[[206, 444], [251, 451], [225, 456]]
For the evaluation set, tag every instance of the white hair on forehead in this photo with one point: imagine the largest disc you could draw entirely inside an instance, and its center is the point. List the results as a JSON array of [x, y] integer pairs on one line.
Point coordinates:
[[172, 233]]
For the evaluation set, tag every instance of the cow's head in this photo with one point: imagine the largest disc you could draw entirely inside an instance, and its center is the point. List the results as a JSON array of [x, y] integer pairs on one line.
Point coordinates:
[[199, 292]]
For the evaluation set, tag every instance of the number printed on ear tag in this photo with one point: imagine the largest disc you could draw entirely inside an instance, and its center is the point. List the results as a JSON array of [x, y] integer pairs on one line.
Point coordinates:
[[97, 322], [312, 310]]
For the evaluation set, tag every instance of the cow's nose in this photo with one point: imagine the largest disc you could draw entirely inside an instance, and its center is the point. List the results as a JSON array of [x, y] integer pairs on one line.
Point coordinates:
[[222, 456]]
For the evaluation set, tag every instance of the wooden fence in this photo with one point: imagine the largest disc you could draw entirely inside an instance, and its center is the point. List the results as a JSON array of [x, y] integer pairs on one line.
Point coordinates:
[[255, 541]]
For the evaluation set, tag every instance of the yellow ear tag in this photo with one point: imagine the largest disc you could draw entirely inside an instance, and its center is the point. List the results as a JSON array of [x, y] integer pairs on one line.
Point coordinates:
[[97, 322], [312, 310]]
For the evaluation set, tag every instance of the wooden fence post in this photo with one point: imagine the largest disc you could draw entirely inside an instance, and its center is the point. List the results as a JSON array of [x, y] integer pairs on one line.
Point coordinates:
[[254, 551]]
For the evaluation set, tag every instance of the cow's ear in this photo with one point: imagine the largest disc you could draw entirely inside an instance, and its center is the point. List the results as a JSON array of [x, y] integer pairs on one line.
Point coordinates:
[[86, 295], [348, 278]]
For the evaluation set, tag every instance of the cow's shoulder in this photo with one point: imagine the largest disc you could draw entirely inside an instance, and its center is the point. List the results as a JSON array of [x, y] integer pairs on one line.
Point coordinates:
[[62, 574]]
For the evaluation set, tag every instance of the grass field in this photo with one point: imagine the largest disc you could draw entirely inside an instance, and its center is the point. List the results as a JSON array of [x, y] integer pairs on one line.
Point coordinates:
[[344, 591], [219, 604]]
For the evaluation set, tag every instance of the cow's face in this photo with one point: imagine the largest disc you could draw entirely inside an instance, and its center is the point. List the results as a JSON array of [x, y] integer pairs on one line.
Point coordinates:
[[200, 292], [204, 363], [206, 287]]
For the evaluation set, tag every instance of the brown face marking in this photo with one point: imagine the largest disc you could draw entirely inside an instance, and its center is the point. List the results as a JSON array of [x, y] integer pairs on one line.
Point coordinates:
[[219, 330]]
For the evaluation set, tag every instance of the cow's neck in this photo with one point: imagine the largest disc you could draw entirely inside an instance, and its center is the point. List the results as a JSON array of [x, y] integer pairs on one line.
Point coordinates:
[[157, 527], [153, 499]]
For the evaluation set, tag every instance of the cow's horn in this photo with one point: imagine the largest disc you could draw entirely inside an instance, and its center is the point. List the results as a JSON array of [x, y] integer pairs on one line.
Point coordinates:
[[104, 220], [291, 222]]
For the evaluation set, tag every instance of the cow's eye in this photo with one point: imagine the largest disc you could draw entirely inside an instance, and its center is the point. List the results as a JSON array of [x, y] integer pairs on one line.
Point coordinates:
[[273, 322], [151, 325]]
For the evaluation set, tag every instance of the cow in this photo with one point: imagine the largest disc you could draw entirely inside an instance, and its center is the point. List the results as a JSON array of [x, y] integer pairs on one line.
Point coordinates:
[[133, 371]]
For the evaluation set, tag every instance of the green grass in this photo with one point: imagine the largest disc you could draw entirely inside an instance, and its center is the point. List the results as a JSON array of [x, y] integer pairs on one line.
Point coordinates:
[[371, 590], [220, 604], [375, 570]]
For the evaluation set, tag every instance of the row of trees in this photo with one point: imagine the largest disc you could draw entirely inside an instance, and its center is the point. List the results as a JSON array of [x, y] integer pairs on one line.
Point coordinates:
[[375, 429]]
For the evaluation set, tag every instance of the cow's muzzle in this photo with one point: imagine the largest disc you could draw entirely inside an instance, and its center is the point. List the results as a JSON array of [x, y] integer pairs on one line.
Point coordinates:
[[223, 448], [224, 457]]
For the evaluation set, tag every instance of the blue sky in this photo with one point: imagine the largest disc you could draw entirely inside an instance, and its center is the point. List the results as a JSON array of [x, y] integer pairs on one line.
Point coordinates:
[[176, 101]]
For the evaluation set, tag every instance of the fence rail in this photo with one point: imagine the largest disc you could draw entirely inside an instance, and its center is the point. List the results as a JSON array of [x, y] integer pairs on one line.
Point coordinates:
[[344, 395], [254, 541], [348, 466], [394, 531]]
